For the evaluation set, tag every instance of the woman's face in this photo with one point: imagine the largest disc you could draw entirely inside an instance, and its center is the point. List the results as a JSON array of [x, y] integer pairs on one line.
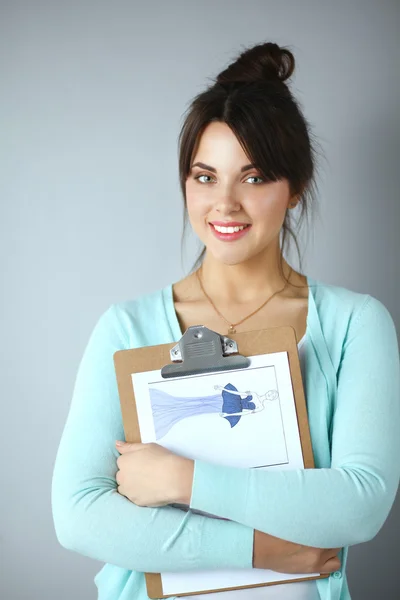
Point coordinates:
[[230, 197]]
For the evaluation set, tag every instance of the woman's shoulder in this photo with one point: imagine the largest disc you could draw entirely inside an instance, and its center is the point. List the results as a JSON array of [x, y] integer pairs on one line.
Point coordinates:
[[153, 301], [342, 303], [146, 318]]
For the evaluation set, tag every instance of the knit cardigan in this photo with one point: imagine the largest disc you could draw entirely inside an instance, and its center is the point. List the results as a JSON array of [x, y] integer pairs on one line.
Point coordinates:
[[352, 389]]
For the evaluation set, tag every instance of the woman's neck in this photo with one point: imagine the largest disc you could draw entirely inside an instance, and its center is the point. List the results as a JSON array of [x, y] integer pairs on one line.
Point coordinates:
[[243, 282]]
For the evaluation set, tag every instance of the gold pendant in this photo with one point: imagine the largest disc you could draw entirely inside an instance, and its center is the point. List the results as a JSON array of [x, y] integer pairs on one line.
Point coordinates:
[[232, 329]]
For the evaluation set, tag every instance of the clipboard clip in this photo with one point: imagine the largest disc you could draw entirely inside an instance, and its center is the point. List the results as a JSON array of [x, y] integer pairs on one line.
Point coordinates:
[[201, 350]]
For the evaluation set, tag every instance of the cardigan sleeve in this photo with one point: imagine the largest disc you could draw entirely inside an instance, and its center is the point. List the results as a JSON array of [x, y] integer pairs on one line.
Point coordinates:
[[347, 503], [91, 517]]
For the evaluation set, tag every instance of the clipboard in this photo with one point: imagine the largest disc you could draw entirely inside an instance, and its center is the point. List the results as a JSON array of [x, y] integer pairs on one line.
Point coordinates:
[[202, 351]]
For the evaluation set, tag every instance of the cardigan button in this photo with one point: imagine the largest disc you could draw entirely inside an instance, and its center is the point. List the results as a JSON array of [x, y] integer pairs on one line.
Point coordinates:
[[337, 574]]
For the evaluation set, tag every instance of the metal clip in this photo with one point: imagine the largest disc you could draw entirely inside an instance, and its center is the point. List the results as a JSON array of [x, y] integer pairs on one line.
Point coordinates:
[[201, 350]]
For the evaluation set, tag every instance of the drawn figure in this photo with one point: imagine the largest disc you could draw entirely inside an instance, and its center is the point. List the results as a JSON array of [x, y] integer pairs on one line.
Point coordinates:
[[229, 391], [234, 405], [168, 409]]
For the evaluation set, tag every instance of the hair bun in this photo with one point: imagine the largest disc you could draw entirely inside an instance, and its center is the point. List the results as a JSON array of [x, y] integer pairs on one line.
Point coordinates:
[[263, 62]]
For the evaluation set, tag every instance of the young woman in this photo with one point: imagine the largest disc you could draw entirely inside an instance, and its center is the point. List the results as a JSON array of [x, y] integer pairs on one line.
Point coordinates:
[[246, 161]]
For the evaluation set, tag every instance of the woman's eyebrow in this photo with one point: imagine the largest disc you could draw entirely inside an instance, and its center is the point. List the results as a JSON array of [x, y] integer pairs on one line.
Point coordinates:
[[214, 170]]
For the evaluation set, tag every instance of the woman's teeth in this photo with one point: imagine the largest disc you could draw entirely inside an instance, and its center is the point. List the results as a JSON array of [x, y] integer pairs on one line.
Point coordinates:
[[229, 229]]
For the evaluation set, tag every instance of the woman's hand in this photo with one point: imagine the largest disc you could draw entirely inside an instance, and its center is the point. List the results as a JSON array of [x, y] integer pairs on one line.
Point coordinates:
[[151, 475], [279, 555]]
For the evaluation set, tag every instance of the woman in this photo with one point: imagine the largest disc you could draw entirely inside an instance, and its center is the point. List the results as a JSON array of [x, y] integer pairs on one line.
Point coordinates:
[[246, 160]]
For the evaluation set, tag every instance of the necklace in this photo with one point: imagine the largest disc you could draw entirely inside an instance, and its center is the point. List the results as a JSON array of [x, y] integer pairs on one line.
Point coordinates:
[[232, 326]]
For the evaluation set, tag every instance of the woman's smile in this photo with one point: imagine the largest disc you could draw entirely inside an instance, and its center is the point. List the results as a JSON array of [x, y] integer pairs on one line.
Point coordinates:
[[229, 231]]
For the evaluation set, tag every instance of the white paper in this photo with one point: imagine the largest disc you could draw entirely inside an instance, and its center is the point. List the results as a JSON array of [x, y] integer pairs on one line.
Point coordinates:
[[197, 417]]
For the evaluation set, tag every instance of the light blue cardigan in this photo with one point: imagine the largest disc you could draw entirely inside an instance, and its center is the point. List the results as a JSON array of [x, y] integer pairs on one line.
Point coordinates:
[[353, 400]]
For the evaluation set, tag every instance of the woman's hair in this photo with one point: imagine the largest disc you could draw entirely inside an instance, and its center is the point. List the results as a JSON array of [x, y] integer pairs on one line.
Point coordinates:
[[252, 98]]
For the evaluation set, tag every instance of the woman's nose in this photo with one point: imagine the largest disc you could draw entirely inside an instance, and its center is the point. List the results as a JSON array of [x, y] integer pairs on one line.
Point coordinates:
[[227, 204]]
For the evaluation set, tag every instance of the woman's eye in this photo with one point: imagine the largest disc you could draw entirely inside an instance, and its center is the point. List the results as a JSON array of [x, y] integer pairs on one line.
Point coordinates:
[[198, 177], [256, 177]]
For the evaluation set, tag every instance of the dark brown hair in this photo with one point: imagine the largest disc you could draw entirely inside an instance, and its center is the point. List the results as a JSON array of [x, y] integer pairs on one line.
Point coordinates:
[[250, 96]]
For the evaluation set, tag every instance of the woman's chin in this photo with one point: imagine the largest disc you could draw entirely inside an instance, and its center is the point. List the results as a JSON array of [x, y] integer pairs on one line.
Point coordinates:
[[230, 257]]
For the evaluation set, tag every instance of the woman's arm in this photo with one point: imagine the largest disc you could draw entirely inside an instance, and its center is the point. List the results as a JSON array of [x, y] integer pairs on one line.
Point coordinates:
[[91, 517], [349, 502]]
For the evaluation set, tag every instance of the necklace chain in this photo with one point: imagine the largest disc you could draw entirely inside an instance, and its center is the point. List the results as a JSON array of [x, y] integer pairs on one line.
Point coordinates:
[[232, 326]]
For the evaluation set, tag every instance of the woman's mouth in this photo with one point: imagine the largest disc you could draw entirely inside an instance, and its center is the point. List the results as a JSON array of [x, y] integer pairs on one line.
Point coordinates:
[[229, 232]]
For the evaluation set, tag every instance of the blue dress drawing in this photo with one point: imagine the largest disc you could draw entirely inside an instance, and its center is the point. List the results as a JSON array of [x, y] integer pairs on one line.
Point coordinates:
[[229, 404], [233, 403]]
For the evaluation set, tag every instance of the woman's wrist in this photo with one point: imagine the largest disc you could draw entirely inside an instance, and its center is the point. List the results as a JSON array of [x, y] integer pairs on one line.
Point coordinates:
[[186, 470], [261, 549]]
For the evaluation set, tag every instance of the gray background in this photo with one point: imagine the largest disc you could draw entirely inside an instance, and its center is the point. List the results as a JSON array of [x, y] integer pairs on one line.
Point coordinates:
[[92, 95]]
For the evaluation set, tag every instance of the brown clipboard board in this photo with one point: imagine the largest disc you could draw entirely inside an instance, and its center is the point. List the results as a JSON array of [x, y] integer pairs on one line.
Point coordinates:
[[249, 343]]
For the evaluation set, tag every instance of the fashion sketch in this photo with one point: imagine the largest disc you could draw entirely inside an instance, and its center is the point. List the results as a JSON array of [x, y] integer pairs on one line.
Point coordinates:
[[229, 403]]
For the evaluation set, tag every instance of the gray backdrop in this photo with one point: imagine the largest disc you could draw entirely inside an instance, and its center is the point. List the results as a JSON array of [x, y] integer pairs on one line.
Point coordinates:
[[92, 95]]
